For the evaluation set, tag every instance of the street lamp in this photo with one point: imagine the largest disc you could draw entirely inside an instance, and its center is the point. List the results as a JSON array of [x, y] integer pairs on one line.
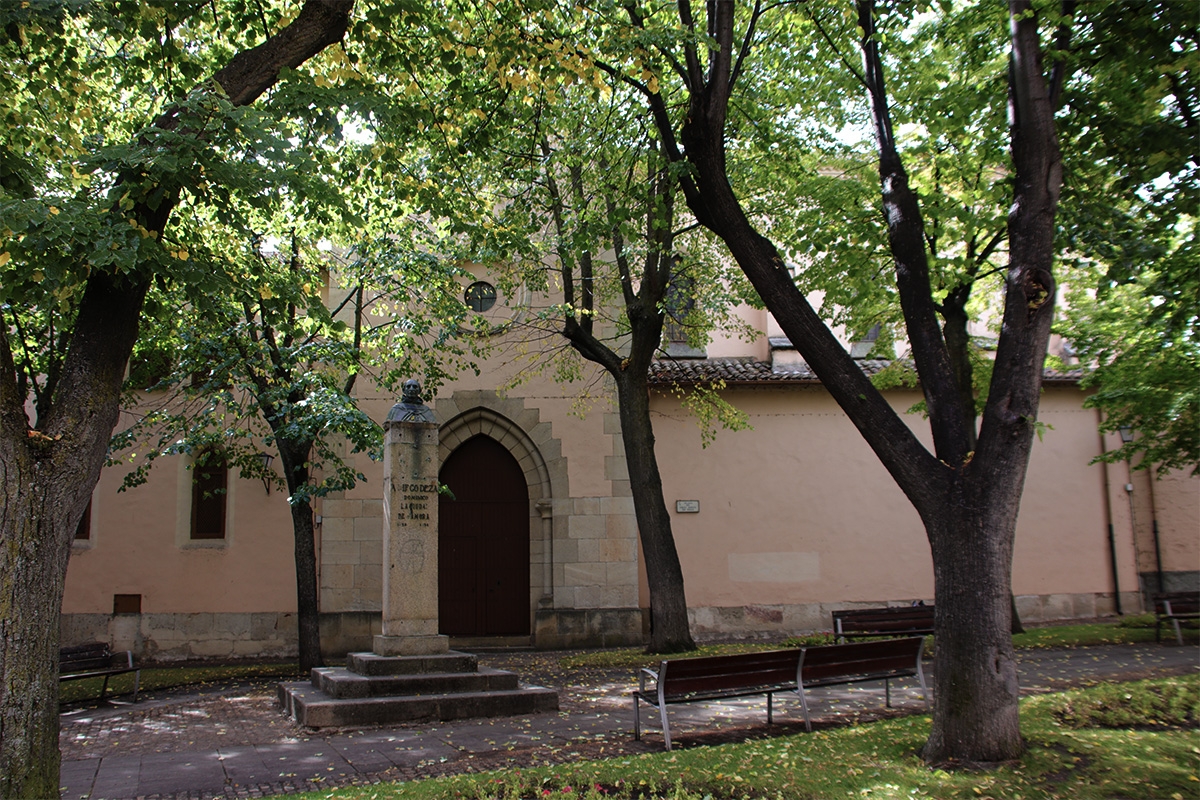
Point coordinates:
[[266, 459]]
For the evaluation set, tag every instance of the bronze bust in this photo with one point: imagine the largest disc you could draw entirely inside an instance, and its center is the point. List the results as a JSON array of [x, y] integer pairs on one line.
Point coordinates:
[[410, 408]]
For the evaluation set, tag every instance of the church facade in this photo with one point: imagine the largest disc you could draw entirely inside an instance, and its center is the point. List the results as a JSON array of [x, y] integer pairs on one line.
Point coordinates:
[[776, 525]]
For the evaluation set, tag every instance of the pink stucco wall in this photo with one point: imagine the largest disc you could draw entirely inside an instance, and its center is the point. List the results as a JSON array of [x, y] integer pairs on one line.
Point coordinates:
[[140, 546], [800, 510]]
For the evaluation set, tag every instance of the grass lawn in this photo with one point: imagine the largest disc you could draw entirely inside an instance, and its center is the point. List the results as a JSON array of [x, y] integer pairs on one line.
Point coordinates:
[[1135, 740]]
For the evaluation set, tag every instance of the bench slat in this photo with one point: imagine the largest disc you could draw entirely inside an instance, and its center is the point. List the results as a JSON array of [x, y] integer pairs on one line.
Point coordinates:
[[860, 657], [715, 674]]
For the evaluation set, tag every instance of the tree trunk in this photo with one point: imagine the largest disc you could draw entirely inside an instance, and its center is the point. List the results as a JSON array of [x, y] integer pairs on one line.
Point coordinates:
[[307, 608], [294, 455], [975, 675], [669, 631], [33, 567], [47, 476], [967, 497], [48, 472]]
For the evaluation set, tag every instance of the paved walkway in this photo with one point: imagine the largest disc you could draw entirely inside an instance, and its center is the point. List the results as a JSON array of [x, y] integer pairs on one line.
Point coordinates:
[[233, 742]]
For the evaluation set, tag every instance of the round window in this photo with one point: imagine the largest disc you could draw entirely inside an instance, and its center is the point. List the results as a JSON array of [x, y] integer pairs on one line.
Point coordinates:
[[480, 296]]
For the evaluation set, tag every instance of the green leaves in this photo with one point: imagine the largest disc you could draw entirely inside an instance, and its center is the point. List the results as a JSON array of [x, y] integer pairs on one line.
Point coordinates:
[[1144, 350], [1130, 227]]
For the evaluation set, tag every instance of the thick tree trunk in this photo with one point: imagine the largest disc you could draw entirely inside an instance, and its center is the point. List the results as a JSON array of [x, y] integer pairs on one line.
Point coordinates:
[[47, 473], [33, 566], [669, 631], [975, 674], [47, 476]]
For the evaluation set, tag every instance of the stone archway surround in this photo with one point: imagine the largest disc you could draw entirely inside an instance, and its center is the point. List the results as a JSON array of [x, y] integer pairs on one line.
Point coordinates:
[[537, 451], [583, 550]]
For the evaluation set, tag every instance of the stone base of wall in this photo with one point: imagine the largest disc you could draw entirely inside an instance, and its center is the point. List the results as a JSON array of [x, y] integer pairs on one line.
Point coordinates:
[[1171, 582], [187, 637], [191, 637], [1039, 608], [780, 621], [554, 629], [230, 637], [348, 632], [563, 628]]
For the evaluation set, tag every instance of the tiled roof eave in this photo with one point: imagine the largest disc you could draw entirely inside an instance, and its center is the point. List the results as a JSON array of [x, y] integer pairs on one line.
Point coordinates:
[[746, 371]]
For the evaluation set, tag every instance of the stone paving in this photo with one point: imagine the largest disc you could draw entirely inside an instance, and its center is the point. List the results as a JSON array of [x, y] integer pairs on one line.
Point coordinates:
[[234, 742]]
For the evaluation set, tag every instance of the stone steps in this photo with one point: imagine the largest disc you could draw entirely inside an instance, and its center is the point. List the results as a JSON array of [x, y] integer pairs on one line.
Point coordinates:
[[374, 664], [339, 682], [380, 690], [313, 708]]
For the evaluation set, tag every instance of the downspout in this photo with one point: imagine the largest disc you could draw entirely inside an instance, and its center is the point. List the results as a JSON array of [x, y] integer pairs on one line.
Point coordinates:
[[1108, 515], [1154, 530]]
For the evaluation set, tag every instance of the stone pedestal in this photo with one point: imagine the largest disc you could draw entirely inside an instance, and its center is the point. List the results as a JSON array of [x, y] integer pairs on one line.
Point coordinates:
[[410, 541]]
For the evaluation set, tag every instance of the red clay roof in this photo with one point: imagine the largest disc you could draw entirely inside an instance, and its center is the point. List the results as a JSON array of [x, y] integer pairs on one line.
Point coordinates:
[[746, 371]]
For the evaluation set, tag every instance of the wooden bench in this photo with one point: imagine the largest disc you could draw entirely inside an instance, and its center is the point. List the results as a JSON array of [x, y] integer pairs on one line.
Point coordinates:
[[96, 660], [689, 680], [858, 623], [1175, 607], [839, 664]]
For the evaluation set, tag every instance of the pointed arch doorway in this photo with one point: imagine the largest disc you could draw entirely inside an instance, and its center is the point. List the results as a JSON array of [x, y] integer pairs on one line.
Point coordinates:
[[483, 542]]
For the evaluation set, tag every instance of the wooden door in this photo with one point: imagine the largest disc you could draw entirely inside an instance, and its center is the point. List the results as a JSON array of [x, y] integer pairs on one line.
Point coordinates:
[[483, 543]]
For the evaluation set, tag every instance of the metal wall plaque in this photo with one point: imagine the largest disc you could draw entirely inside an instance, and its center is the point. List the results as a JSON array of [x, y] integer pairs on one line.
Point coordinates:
[[687, 506]]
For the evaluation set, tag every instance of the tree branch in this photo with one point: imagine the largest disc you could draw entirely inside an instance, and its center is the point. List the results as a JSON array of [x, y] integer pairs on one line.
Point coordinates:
[[950, 422], [720, 61], [846, 62], [1062, 44], [348, 385], [565, 258], [1029, 292], [694, 71], [747, 40]]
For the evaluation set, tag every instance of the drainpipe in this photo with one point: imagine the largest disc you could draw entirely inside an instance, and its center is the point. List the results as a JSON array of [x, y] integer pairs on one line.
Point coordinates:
[[1108, 515], [1133, 522], [1154, 530], [1126, 438]]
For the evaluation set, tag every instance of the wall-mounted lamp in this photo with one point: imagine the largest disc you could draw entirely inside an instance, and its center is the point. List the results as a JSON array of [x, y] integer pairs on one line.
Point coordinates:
[[266, 459], [1126, 433]]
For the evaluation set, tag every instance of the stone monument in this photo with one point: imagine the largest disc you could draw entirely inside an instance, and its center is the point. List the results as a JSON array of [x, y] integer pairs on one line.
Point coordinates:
[[411, 673], [410, 530]]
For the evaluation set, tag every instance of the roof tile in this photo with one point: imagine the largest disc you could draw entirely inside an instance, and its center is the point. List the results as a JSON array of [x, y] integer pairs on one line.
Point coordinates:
[[745, 370]]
